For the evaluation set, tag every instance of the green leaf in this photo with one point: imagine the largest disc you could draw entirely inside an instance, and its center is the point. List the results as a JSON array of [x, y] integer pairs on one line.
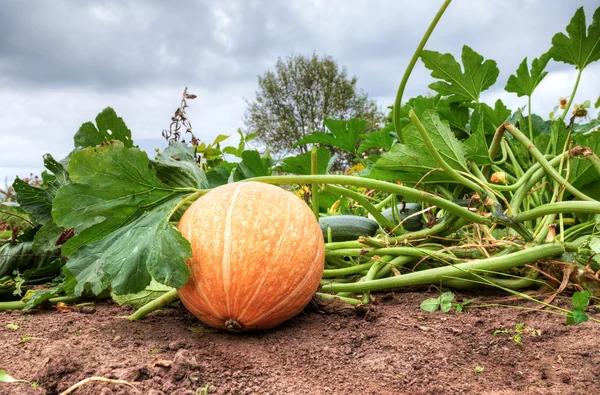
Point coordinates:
[[591, 127], [582, 172], [379, 139], [478, 74], [220, 138], [597, 104], [6, 378], [477, 147], [113, 186], [252, 165], [580, 300], [447, 297], [67, 285], [576, 317], [524, 82], [410, 162], [12, 326], [445, 306], [456, 114], [344, 134], [128, 258], [35, 201], [61, 176], [109, 127], [230, 150], [46, 237], [20, 257], [137, 300], [446, 301], [578, 48], [430, 305], [301, 164], [176, 166], [492, 118], [220, 174]]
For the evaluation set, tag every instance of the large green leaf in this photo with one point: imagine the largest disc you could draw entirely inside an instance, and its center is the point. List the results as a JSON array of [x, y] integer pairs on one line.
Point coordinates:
[[582, 171], [252, 165], [455, 113], [478, 74], [379, 139], [128, 258], [525, 82], [35, 201], [47, 236], [176, 166], [492, 118], [20, 256], [578, 48], [301, 164], [108, 127], [220, 175], [113, 185], [344, 134], [60, 176], [411, 161], [592, 126], [147, 295], [476, 145]]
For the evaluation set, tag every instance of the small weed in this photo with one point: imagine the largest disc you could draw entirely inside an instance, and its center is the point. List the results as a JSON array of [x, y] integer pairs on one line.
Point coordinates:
[[579, 301], [518, 331], [444, 302], [12, 326], [478, 369]]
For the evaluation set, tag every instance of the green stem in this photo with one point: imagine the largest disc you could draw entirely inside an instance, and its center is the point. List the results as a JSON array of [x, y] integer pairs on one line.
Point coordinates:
[[156, 304], [384, 202], [20, 305], [438, 158], [595, 161], [558, 207], [314, 187], [345, 271], [405, 251], [529, 118], [352, 301], [411, 65], [382, 186], [545, 164], [572, 95], [534, 175], [193, 196], [360, 199], [397, 262], [372, 273], [513, 159], [435, 275]]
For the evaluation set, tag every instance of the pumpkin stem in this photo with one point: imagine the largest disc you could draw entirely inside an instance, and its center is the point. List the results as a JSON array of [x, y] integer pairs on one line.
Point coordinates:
[[233, 325]]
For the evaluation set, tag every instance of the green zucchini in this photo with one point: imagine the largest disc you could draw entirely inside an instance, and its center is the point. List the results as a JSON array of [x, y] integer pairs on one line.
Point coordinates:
[[404, 210], [347, 227]]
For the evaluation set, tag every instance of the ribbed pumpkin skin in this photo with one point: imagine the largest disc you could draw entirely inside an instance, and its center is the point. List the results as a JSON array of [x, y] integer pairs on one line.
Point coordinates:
[[258, 256]]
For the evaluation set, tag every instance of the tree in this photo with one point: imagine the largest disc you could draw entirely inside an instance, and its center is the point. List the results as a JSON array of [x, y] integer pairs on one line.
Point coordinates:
[[295, 99]]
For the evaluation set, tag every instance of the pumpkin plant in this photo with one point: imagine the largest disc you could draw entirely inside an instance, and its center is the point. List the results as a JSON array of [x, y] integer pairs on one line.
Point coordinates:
[[496, 194]]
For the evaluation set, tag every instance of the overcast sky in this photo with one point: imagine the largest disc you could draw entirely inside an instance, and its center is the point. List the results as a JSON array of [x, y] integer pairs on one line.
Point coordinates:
[[62, 62]]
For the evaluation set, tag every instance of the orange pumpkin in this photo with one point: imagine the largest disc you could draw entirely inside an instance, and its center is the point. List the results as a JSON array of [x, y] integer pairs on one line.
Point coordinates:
[[258, 256]]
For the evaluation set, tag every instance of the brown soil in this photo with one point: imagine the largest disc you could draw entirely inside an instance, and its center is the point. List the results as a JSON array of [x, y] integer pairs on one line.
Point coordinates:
[[394, 349]]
